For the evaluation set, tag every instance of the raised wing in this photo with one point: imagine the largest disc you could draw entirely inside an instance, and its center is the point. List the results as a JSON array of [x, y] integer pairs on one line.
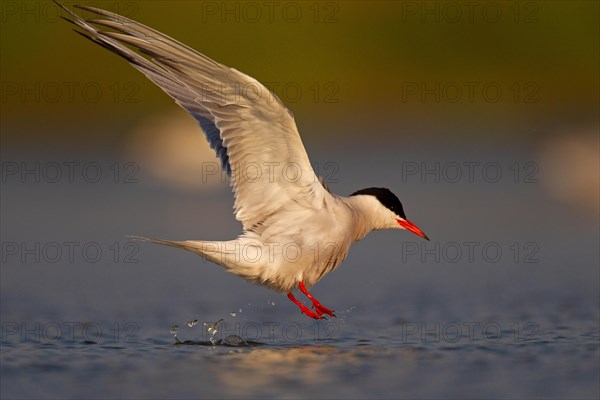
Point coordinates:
[[249, 128]]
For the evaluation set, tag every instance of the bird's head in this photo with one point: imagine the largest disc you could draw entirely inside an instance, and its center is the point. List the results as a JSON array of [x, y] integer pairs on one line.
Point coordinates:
[[386, 212]]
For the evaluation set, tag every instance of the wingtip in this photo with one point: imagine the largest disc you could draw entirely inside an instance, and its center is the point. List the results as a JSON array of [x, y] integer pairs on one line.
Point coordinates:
[[65, 8]]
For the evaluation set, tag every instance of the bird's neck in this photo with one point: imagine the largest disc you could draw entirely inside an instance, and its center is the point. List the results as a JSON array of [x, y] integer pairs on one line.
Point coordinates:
[[363, 220]]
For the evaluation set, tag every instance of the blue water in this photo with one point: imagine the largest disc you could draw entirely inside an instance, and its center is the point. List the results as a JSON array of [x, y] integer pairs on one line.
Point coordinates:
[[413, 321], [346, 359]]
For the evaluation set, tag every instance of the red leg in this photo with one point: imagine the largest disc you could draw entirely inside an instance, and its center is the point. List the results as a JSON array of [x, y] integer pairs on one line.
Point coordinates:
[[319, 308], [303, 307]]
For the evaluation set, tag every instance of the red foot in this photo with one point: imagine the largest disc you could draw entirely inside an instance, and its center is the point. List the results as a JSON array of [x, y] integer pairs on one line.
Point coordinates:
[[303, 308], [319, 308]]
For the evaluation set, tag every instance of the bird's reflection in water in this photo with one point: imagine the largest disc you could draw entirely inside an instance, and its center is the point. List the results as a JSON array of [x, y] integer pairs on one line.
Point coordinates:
[[298, 368]]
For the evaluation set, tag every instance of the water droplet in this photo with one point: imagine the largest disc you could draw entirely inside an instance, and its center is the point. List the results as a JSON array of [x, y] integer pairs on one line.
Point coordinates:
[[174, 329], [213, 328], [192, 323], [233, 314]]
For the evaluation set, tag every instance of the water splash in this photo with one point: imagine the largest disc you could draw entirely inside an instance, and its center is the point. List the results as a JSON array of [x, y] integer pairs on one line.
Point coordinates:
[[234, 341], [174, 330], [343, 314], [213, 328], [212, 331], [192, 323]]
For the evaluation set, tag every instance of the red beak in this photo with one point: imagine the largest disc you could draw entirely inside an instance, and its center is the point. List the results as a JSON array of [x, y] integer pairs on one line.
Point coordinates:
[[409, 226]]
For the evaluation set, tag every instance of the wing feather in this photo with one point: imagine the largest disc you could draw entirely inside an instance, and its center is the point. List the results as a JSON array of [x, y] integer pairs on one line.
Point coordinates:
[[249, 128]]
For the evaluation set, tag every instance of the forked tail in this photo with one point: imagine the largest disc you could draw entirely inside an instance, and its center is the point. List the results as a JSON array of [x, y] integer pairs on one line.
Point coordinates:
[[243, 257]]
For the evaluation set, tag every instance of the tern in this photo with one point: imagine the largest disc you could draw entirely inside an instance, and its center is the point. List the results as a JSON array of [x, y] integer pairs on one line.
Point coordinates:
[[295, 231]]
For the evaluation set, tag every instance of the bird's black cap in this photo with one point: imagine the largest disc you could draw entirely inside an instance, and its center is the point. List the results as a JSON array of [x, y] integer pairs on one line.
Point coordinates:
[[385, 197]]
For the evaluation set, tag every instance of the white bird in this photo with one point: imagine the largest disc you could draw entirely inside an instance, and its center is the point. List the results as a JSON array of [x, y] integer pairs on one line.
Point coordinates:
[[295, 230]]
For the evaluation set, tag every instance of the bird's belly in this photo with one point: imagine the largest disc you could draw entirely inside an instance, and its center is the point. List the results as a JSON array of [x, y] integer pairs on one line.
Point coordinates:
[[291, 262], [297, 252]]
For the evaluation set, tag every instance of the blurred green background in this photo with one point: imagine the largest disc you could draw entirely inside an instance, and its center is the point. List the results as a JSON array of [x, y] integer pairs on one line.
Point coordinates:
[[397, 68]]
